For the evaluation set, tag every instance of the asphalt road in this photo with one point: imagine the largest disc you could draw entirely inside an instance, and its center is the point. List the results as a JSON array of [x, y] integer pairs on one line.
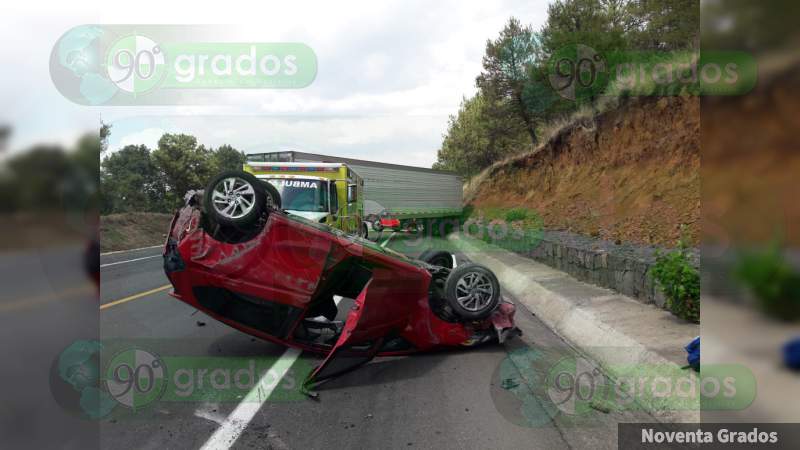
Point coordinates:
[[46, 302], [457, 399]]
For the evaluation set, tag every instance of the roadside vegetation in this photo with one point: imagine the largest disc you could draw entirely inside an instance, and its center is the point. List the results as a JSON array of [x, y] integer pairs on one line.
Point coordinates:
[[52, 178], [679, 280], [136, 178], [49, 193], [579, 159], [516, 109], [774, 282]]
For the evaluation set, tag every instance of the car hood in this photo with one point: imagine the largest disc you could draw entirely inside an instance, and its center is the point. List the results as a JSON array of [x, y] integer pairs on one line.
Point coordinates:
[[308, 215]]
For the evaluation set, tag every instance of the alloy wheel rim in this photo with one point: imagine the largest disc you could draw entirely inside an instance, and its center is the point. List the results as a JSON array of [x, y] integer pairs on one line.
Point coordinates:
[[474, 291], [233, 198]]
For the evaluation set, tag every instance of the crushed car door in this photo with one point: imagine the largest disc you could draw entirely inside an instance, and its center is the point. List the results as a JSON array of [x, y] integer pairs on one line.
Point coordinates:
[[375, 314], [353, 348]]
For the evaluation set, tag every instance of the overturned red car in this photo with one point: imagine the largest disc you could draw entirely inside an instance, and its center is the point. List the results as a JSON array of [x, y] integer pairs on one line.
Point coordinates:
[[286, 279]]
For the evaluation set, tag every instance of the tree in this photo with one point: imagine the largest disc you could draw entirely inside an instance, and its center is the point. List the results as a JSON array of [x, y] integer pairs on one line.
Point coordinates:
[[506, 65], [600, 25], [228, 158], [105, 132], [131, 182], [517, 87], [541, 100], [5, 132], [665, 25], [183, 164], [577, 37], [81, 185], [484, 131], [463, 139], [745, 25], [37, 178], [137, 179]]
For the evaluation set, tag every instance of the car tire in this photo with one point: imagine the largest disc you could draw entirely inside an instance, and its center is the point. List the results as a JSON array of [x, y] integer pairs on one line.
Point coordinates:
[[363, 232], [440, 258], [272, 196], [236, 199], [472, 291]]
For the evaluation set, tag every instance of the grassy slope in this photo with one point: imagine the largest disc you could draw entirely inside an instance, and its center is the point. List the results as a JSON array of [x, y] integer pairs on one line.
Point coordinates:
[[132, 230]]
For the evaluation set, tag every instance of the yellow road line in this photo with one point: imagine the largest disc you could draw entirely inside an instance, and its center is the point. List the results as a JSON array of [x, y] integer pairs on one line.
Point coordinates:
[[87, 289], [134, 296]]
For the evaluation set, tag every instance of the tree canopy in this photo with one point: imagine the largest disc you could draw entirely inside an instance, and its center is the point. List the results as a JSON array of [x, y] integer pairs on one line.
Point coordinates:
[[515, 98], [136, 178]]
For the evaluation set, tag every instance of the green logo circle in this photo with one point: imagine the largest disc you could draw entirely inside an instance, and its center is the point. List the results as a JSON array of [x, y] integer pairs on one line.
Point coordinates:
[[136, 378], [136, 64], [577, 72], [573, 384]]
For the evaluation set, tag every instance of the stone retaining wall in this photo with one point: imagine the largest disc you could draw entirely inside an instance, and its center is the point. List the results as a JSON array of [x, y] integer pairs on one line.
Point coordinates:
[[624, 268]]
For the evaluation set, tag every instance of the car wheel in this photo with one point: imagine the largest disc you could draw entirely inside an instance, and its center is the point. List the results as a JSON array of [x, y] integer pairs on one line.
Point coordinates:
[[472, 291], [273, 197], [439, 258], [376, 225], [235, 199], [363, 232]]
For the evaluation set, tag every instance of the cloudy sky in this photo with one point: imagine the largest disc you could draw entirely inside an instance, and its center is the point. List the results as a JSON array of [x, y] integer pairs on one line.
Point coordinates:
[[389, 74]]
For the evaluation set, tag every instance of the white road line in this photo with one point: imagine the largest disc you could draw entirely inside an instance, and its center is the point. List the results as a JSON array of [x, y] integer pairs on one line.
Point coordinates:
[[237, 421], [131, 250], [129, 260], [388, 239]]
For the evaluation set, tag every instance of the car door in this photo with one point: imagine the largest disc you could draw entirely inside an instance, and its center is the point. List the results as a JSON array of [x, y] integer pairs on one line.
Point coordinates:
[[382, 309]]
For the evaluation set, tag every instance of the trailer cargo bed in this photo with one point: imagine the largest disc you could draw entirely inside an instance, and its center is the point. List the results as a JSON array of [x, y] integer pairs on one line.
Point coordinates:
[[405, 192]]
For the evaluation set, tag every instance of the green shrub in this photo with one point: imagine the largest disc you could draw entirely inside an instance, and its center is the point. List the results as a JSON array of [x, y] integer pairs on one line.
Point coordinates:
[[772, 280], [680, 282], [516, 214]]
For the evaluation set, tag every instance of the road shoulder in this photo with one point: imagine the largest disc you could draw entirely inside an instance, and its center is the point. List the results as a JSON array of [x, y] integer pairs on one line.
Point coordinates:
[[616, 331]]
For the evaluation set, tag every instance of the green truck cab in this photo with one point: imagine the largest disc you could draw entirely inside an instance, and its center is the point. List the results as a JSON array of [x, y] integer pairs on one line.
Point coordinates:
[[329, 193]]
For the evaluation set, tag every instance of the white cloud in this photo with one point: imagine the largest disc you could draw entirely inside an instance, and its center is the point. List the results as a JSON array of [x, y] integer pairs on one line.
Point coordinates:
[[148, 137], [389, 73]]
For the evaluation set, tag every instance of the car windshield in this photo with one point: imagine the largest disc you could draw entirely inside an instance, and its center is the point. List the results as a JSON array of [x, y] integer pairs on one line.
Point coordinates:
[[299, 194]]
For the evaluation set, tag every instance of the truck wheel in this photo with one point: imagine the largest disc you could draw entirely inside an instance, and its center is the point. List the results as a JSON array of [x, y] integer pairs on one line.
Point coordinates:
[[439, 258], [472, 291], [236, 199]]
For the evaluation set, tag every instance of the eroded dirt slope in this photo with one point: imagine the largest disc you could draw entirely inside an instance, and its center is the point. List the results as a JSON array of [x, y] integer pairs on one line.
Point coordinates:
[[631, 174], [751, 161]]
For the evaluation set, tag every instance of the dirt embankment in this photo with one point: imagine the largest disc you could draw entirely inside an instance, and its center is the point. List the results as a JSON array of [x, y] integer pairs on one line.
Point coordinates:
[[631, 174], [132, 230], [751, 160]]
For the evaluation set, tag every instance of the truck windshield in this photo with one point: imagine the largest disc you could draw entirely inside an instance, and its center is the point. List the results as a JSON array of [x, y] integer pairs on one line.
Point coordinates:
[[299, 194]]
